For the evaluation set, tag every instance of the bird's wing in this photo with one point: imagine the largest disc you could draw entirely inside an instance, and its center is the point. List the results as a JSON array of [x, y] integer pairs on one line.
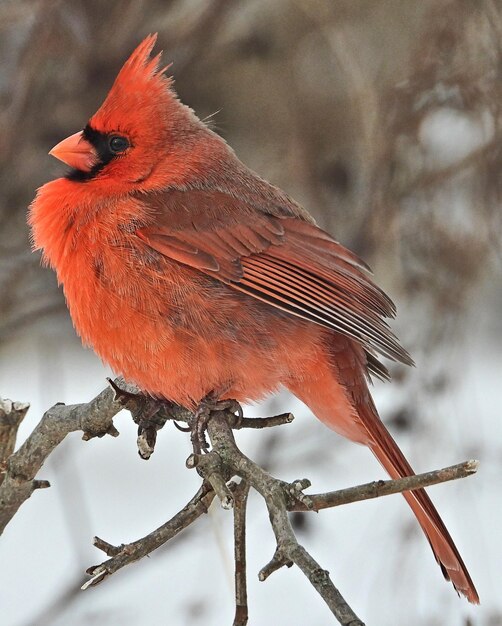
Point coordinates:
[[284, 261]]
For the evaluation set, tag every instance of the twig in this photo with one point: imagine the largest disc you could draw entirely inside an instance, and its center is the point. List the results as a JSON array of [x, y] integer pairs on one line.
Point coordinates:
[[129, 553], [379, 488], [264, 422], [108, 548], [241, 597]]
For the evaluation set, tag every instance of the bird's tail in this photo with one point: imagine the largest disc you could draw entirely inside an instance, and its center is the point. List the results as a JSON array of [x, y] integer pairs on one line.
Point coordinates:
[[393, 460], [340, 398]]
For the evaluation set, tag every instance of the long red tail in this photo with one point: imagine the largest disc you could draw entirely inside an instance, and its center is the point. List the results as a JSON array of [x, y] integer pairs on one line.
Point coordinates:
[[336, 391], [393, 460]]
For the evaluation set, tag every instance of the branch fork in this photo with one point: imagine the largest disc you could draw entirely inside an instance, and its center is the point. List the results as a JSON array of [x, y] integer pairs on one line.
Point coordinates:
[[295, 492], [280, 559], [210, 467]]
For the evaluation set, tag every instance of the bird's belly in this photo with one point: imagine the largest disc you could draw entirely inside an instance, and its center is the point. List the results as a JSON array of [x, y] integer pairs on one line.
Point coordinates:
[[188, 336]]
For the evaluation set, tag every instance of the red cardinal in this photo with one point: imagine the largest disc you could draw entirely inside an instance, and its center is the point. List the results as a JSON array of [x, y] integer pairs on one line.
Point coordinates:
[[190, 276]]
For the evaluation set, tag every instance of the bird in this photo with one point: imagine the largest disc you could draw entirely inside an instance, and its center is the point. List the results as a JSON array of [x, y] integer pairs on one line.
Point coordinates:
[[193, 277]]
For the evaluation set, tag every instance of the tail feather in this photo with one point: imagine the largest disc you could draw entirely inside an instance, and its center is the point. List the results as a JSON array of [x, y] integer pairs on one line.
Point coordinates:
[[393, 460], [336, 390]]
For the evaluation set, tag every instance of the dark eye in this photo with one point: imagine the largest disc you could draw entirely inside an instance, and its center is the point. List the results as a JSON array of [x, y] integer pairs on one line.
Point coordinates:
[[118, 144]]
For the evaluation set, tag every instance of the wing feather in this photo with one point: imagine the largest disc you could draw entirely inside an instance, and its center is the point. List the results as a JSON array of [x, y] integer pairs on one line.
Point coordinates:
[[282, 260]]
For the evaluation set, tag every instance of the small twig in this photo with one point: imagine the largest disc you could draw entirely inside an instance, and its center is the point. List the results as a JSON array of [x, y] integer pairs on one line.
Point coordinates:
[[290, 551], [241, 598], [40, 484], [276, 562], [108, 548], [264, 422], [129, 553], [379, 488], [295, 490]]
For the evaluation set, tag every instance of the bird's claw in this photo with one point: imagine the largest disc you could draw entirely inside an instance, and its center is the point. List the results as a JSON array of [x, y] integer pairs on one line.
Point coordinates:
[[208, 405], [147, 412]]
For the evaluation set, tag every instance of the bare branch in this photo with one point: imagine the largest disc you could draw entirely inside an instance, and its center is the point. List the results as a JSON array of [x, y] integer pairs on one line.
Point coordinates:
[[126, 554], [94, 418], [264, 422], [379, 488], [276, 498], [241, 598], [216, 468]]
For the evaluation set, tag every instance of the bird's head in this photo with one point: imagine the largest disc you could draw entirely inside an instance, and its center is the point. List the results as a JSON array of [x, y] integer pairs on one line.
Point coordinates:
[[136, 129]]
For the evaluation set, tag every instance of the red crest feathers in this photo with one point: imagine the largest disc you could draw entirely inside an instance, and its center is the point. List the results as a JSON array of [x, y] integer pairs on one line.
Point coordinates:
[[140, 84], [139, 66]]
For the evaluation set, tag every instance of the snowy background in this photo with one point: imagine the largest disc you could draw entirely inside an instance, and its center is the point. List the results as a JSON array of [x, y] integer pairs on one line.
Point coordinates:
[[383, 118]]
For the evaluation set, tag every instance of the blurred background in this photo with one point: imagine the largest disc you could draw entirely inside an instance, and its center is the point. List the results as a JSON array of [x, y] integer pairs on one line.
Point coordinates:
[[383, 117]]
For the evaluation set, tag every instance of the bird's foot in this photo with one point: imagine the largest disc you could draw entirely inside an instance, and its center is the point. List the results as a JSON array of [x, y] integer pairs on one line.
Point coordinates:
[[150, 414], [208, 405]]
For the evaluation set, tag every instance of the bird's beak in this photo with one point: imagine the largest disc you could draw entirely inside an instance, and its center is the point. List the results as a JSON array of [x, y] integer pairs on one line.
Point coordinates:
[[76, 152]]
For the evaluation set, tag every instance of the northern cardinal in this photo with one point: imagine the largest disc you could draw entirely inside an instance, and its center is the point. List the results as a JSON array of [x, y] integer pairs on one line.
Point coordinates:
[[190, 275]]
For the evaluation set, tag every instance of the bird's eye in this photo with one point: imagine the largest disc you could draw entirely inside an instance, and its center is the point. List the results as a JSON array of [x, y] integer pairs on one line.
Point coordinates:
[[118, 144]]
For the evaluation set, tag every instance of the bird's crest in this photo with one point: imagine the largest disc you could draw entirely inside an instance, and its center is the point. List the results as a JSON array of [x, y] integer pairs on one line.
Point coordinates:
[[141, 67], [139, 94]]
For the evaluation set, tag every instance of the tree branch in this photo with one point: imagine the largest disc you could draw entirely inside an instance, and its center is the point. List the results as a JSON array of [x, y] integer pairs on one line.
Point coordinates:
[[379, 488], [241, 597], [276, 498], [94, 418], [217, 467], [126, 554]]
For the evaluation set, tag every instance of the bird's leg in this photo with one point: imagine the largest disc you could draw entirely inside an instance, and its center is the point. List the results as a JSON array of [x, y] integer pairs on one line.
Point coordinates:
[[150, 414], [207, 405]]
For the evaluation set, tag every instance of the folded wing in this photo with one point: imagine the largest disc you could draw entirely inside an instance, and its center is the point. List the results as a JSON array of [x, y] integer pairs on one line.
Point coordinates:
[[284, 261]]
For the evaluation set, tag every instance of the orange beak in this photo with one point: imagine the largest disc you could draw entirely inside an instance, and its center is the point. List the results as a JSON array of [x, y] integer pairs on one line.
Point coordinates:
[[76, 152]]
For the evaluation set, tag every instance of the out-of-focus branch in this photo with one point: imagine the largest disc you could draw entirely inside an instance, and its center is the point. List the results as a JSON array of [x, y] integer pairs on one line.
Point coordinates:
[[437, 176], [33, 314]]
